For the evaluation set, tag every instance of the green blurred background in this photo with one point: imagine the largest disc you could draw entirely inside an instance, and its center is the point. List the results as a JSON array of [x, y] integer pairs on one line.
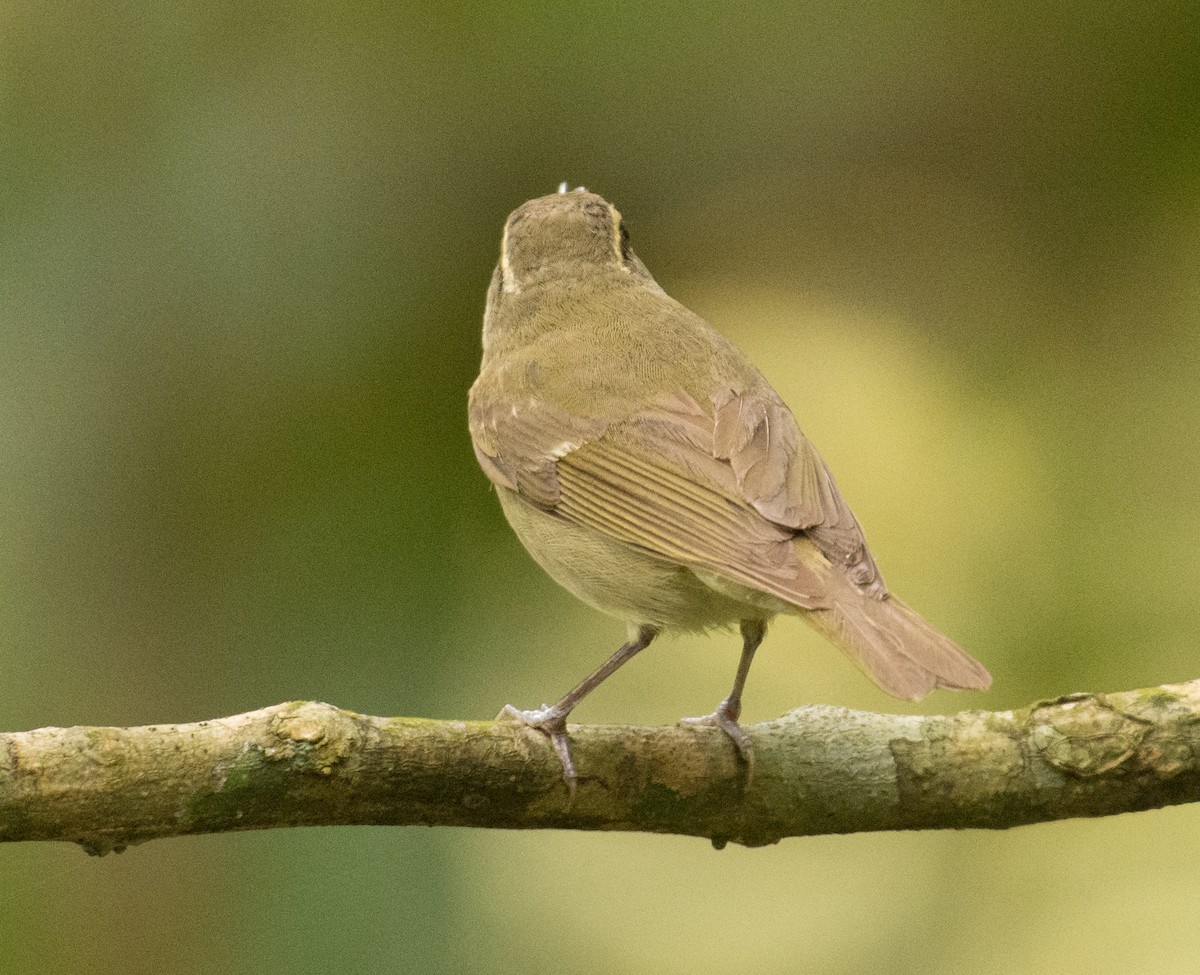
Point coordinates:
[[243, 256]]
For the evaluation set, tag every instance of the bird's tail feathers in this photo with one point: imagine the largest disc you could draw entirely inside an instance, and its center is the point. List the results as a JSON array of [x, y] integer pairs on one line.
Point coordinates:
[[899, 651]]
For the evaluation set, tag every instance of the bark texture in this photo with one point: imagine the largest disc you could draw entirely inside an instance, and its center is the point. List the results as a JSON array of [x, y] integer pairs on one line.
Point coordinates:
[[820, 770]]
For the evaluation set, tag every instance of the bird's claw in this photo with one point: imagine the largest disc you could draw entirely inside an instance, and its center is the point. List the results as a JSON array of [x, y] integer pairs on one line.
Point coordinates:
[[725, 718], [554, 726]]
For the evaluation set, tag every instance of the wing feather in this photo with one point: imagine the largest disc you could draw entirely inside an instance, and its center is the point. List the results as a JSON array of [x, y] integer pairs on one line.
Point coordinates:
[[643, 501], [725, 487], [780, 473]]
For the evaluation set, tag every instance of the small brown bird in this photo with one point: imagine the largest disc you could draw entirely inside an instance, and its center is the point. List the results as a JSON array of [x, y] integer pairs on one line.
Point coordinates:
[[652, 471]]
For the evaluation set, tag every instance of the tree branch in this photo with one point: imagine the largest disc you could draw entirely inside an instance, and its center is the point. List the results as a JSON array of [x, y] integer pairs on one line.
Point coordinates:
[[820, 770]]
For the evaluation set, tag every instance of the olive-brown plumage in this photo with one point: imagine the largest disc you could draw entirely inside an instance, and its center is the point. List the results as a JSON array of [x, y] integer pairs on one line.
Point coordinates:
[[654, 473]]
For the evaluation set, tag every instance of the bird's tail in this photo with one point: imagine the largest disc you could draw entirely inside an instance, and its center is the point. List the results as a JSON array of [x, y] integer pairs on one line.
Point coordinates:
[[902, 653]]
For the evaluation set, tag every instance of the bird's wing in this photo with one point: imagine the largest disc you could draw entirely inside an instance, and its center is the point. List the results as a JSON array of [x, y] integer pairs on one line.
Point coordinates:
[[780, 473], [661, 480], [518, 443]]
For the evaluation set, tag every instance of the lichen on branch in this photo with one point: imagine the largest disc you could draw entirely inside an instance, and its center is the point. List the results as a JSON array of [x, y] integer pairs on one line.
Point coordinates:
[[819, 770]]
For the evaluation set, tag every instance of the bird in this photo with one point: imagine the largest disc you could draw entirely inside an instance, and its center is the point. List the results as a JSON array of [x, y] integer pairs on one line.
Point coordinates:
[[653, 472]]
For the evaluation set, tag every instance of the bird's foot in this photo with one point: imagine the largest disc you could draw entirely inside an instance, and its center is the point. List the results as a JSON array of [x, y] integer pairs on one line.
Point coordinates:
[[553, 725], [725, 717]]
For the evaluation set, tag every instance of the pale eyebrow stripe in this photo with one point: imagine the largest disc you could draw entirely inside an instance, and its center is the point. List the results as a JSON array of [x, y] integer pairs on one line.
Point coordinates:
[[616, 233], [508, 282]]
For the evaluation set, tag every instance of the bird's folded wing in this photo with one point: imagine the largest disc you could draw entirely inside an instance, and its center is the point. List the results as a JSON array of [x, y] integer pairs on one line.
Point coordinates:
[[778, 472], [651, 481], [630, 494], [518, 444]]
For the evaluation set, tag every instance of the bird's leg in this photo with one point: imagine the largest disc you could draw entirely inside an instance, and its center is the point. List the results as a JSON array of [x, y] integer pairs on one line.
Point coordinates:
[[728, 711], [551, 719]]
